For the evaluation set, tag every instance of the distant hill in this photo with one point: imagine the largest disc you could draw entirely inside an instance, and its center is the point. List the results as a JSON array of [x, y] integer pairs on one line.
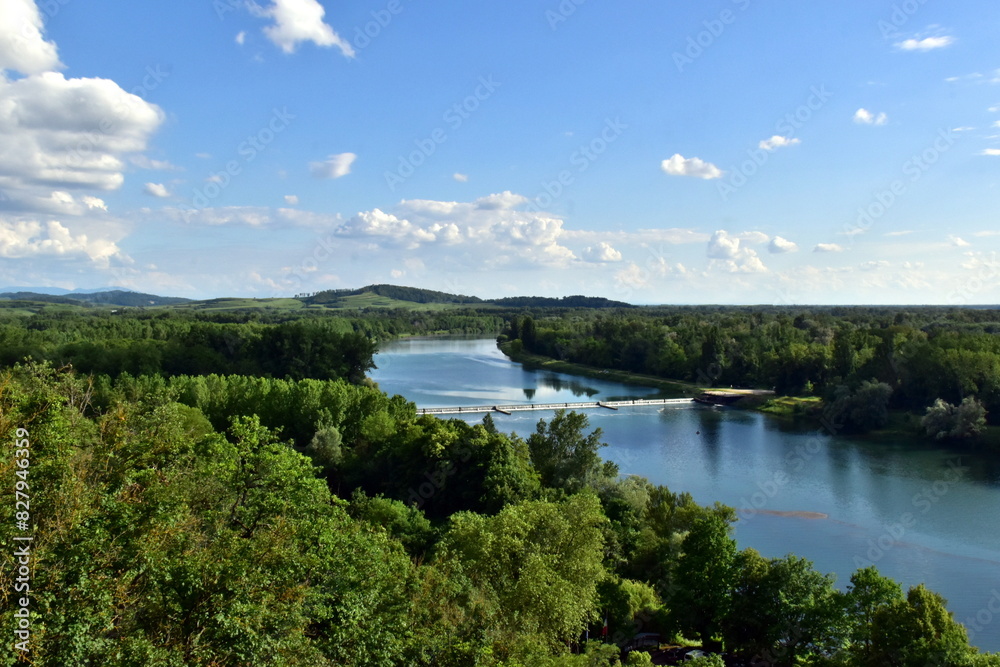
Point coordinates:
[[563, 302], [392, 295], [122, 298], [394, 292]]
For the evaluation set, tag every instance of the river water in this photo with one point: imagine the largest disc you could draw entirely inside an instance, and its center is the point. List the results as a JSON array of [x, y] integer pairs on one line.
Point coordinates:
[[920, 513]]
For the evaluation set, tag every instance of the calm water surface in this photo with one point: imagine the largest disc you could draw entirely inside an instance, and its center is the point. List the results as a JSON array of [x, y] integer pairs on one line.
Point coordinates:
[[921, 514]]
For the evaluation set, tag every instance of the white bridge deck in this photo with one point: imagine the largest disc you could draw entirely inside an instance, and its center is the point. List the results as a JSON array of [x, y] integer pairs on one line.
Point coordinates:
[[507, 409]]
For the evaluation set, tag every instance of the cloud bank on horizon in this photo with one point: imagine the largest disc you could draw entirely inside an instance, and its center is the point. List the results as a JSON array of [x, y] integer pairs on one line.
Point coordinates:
[[265, 149]]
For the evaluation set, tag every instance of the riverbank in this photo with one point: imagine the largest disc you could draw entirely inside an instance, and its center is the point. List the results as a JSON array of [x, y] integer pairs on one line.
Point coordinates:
[[674, 388], [809, 409]]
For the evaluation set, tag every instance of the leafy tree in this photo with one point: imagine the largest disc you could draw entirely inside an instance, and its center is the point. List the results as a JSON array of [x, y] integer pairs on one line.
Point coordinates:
[[862, 410], [868, 593], [917, 632], [539, 563], [946, 421], [564, 457], [702, 584]]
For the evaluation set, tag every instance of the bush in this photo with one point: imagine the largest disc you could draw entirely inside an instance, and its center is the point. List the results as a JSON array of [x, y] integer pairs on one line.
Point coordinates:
[[945, 421]]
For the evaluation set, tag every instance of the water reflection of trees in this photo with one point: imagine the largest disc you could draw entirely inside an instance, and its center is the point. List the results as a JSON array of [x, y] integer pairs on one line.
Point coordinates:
[[561, 384]]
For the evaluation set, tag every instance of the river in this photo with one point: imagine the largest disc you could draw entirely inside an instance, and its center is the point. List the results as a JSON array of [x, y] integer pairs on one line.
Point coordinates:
[[919, 512]]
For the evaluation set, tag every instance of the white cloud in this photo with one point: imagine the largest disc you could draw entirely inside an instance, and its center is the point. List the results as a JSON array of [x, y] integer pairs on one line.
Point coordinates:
[[461, 178], [874, 265], [334, 166], [492, 231], [505, 200], [297, 21], [156, 190], [958, 241], [753, 237], [678, 165], [778, 141], [94, 202], [780, 245], [828, 247], [991, 151], [726, 251], [899, 233], [144, 162], [291, 200], [70, 133], [988, 232], [603, 252], [866, 117], [241, 37], [252, 216], [21, 239], [22, 46], [925, 44]]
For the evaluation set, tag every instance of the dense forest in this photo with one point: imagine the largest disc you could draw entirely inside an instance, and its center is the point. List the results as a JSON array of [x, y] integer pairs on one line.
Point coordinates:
[[861, 361], [228, 490]]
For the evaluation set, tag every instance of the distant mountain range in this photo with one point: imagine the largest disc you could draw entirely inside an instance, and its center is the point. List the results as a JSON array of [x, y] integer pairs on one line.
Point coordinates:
[[107, 297]]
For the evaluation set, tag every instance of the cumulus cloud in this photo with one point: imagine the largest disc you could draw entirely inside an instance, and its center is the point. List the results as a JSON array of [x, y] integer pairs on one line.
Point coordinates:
[[925, 44], [602, 252], [297, 21], [780, 245], [678, 165], [495, 228], [778, 141], [728, 252], [70, 133], [505, 200], [461, 178], [241, 37], [958, 241], [994, 152], [156, 190], [828, 247], [291, 200], [334, 166], [21, 239], [865, 117], [22, 46]]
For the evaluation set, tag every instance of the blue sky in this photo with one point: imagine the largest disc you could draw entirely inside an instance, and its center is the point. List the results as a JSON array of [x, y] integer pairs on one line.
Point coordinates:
[[728, 151]]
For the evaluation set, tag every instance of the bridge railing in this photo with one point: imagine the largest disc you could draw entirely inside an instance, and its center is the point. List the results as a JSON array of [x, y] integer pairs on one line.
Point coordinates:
[[522, 407]]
